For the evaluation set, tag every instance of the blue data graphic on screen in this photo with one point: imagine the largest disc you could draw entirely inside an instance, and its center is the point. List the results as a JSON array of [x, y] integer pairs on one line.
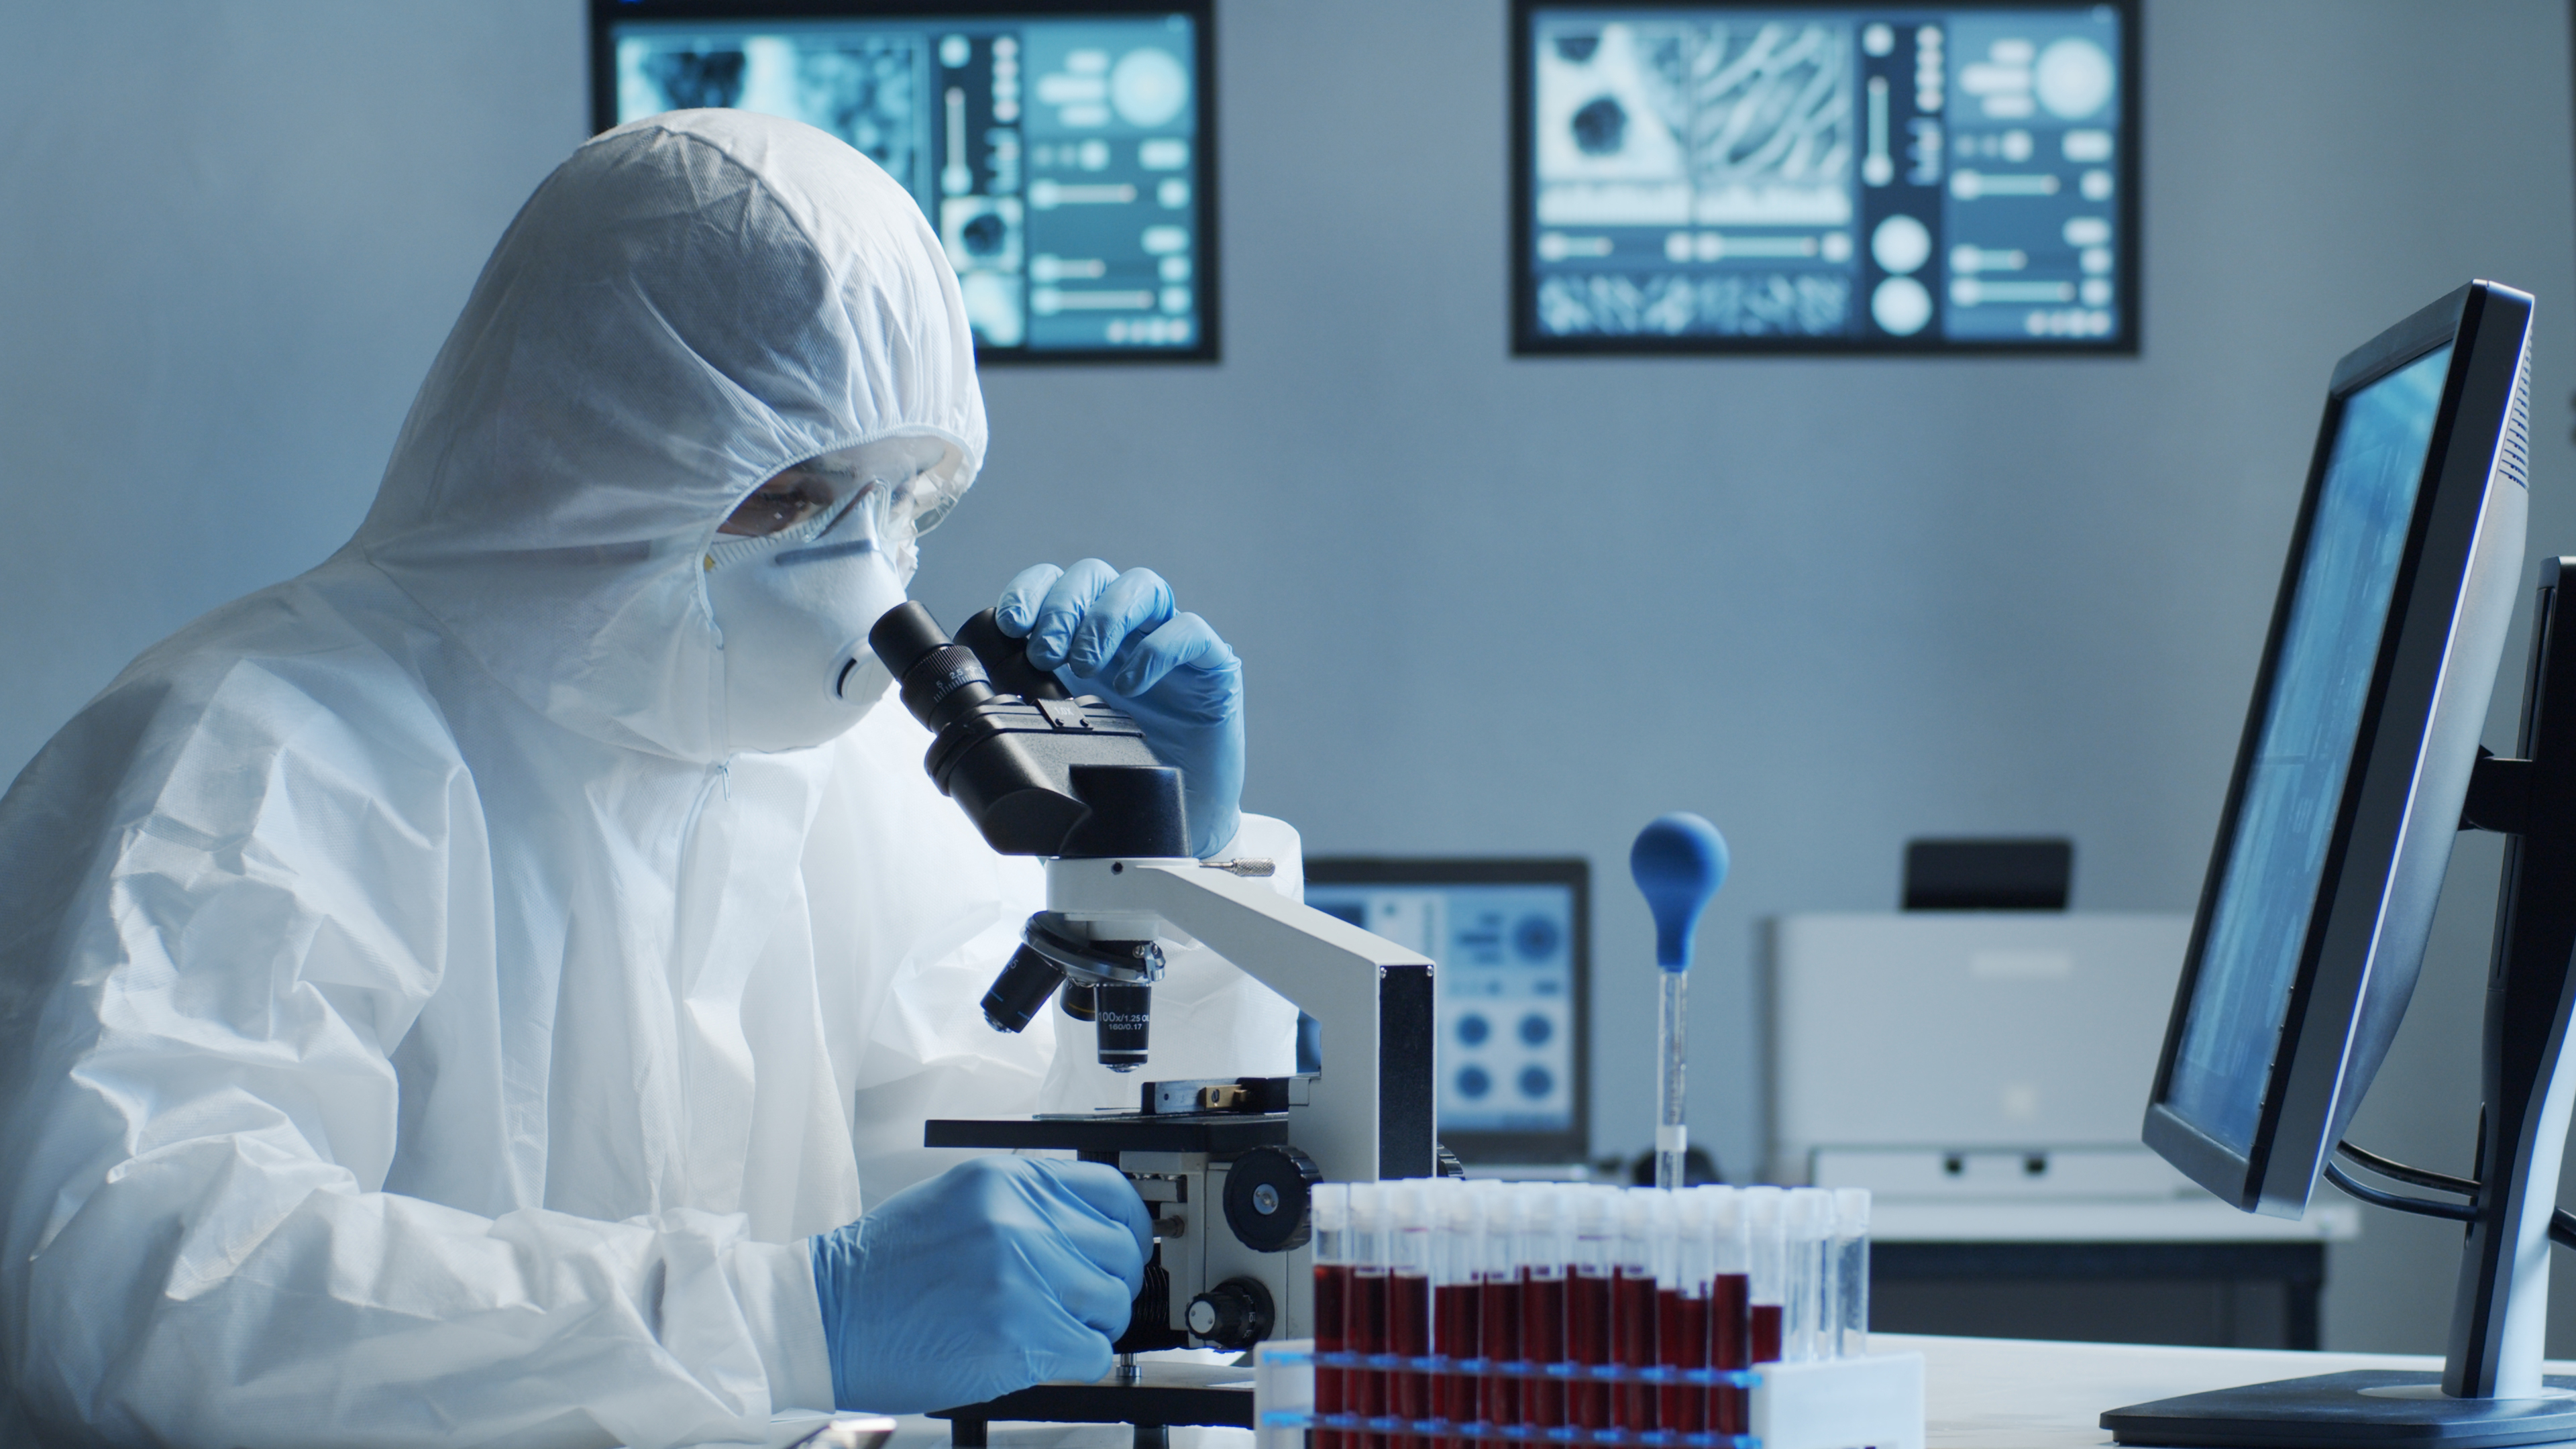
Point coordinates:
[[2292, 792], [1058, 158], [1737, 176], [1503, 989]]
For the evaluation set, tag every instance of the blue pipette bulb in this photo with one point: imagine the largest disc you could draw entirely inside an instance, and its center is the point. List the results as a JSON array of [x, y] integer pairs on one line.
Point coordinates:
[[1679, 861]]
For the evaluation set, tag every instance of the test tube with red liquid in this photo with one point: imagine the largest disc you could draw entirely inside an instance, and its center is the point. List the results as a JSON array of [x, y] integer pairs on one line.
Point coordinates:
[[1408, 1295], [1538, 1231], [1331, 1213], [1632, 1303], [1769, 1268], [1364, 1314], [1591, 1271], [1498, 1321], [1457, 1264], [1681, 1319], [1730, 1300]]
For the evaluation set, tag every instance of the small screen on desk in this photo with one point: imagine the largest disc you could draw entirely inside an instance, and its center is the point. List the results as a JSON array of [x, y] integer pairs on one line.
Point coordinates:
[[1504, 986]]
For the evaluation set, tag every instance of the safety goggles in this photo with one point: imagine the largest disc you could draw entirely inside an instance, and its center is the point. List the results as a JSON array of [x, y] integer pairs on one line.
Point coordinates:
[[880, 496]]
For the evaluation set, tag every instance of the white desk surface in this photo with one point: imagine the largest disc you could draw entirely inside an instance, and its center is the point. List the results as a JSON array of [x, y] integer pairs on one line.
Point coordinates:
[[2005, 1393], [1980, 1393]]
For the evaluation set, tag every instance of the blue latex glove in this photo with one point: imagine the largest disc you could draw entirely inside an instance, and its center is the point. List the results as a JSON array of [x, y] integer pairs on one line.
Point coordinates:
[[1116, 635], [997, 1274]]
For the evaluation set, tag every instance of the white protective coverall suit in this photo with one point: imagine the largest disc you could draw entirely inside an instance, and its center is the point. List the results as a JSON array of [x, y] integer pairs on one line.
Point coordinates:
[[418, 1025]]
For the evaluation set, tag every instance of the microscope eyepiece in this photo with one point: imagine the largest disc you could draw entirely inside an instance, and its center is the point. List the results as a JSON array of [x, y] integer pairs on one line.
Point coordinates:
[[1039, 773], [941, 679], [903, 634]]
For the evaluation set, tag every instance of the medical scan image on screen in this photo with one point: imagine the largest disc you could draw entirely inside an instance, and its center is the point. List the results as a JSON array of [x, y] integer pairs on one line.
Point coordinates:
[[1058, 158], [2285, 815], [1502, 984], [1857, 178]]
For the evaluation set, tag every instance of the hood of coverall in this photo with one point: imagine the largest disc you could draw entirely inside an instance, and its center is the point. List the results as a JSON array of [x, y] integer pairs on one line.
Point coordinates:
[[693, 303], [383, 1060]]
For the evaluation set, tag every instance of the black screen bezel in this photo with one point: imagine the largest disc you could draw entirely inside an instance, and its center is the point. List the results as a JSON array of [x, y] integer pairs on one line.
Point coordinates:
[[1205, 164], [2307, 1075], [1574, 1144], [1529, 341]]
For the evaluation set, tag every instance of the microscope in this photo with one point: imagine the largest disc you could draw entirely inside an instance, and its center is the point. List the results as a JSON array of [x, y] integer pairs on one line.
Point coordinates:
[[1225, 1165]]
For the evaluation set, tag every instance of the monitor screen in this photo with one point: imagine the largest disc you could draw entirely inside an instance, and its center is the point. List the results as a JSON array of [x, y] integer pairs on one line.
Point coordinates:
[[1507, 942], [2359, 742], [1737, 177], [1062, 155], [2311, 723]]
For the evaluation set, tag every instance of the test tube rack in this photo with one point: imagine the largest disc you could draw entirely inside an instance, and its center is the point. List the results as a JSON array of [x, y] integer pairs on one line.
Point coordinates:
[[1871, 1401]]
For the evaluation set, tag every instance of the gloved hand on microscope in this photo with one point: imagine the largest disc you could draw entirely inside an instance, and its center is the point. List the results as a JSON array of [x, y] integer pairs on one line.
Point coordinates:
[[1120, 636], [1007, 1271], [999, 1273]]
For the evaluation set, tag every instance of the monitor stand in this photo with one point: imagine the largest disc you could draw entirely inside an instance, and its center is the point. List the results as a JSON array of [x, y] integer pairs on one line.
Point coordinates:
[[2490, 1390]]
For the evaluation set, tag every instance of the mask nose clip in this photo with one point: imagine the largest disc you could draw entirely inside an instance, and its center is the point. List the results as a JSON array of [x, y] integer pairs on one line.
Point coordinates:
[[819, 552], [867, 531], [824, 545]]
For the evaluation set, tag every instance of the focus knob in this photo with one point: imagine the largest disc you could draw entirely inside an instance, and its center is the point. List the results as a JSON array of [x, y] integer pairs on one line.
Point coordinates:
[[1234, 1314], [1266, 1192]]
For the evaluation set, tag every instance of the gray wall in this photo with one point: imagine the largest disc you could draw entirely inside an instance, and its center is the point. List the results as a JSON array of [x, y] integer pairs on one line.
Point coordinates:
[[1489, 605]]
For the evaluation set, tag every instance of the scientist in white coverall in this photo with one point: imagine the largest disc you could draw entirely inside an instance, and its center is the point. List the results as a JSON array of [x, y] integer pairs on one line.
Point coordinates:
[[456, 996]]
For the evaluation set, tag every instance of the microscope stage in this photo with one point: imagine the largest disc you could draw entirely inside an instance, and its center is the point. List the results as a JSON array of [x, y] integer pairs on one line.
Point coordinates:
[[1101, 1136]]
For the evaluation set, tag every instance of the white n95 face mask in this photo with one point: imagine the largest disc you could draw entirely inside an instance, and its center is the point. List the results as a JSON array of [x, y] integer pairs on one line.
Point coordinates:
[[793, 610]]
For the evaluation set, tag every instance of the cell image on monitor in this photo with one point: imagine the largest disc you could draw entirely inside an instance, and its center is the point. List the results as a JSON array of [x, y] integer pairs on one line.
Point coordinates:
[[1057, 156], [1736, 177], [1503, 988], [2294, 786]]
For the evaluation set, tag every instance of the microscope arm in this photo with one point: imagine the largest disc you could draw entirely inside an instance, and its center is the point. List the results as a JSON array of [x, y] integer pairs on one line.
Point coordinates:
[[1370, 1112]]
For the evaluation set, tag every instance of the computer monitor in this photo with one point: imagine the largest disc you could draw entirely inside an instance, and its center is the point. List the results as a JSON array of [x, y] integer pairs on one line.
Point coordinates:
[[1511, 944], [2384, 645], [1781, 176], [1065, 153], [2359, 764]]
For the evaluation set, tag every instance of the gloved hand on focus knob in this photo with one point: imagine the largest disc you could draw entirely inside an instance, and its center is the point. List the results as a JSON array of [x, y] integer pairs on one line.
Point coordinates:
[[1117, 636], [997, 1274]]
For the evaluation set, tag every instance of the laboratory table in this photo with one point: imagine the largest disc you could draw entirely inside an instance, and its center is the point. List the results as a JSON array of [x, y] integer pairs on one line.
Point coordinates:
[[1980, 1393]]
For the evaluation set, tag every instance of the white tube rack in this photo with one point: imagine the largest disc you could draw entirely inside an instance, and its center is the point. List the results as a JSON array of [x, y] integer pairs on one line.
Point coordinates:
[[1870, 1402]]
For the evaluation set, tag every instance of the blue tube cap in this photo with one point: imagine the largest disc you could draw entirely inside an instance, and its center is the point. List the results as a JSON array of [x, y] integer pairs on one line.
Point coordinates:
[[1679, 861]]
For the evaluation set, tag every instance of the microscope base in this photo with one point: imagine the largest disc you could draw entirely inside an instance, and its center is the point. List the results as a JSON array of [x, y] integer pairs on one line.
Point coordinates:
[[1164, 1394]]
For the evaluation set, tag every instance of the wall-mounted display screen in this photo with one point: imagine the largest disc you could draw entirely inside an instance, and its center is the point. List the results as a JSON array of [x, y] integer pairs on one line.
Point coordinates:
[[1741, 177], [1064, 154]]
